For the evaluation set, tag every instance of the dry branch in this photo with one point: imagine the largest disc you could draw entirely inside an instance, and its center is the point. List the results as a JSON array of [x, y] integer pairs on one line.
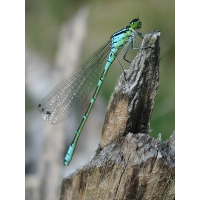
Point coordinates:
[[129, 164]]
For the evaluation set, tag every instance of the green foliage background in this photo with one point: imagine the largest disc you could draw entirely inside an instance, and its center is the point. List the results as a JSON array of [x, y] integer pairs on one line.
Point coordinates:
[[44, 18]]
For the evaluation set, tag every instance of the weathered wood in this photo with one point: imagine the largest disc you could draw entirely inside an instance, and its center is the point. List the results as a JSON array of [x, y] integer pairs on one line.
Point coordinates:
[[128, 163], [49, 165]]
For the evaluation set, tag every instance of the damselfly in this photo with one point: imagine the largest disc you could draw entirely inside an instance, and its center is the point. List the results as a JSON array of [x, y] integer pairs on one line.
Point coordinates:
[[67, 97]]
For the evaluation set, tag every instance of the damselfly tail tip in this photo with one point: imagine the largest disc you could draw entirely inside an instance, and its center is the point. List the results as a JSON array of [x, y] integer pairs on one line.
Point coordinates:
[[66, 163]]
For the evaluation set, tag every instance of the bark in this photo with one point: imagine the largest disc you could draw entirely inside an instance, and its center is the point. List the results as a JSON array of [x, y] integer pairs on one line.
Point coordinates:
[[129, 164]]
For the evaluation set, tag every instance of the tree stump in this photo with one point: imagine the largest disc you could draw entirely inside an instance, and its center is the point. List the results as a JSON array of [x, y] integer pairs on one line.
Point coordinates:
[[129, 164]]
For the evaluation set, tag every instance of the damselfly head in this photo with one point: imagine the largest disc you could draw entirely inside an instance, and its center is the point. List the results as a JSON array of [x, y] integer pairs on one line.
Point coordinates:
[[136, 23]]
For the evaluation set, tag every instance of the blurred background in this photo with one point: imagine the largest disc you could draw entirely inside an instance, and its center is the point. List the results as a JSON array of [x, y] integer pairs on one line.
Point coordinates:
[[60, 35]]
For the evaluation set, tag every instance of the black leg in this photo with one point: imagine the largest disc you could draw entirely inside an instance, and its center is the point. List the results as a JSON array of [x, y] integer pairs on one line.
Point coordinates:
[[122, 69], [139, 34], [127, 51]]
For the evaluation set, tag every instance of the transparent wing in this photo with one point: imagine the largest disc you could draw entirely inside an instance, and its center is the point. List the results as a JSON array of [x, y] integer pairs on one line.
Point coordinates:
[[67, 97]]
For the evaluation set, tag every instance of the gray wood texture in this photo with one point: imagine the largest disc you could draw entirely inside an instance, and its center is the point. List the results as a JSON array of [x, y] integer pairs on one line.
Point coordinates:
[[129, 164]]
